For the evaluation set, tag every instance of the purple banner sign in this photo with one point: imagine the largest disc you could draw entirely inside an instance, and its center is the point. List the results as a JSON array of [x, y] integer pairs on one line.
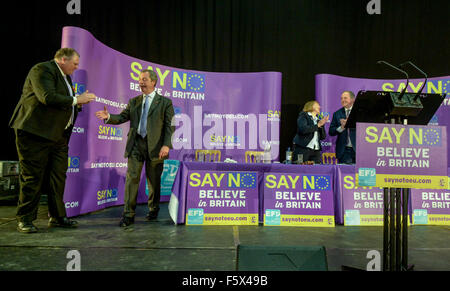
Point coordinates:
[[401, 156], [212, 111], [431, 207], [360, 205], [222, 198], [292, 199], [330, 87]]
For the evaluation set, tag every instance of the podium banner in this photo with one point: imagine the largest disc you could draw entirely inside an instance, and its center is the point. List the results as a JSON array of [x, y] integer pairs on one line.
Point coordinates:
[[361, 205], [233, 112], [222, 198], [401, 156], [292, 199], [431, 207]]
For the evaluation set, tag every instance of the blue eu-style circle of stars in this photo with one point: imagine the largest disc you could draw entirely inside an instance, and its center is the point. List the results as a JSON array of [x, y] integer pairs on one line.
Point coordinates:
[[75, 162], [196, 82], [446, 87], [322, 183], [431, 136], [248, 180]]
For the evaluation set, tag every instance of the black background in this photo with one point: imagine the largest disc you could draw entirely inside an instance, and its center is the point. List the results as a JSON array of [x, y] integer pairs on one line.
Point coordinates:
[[298, 38]]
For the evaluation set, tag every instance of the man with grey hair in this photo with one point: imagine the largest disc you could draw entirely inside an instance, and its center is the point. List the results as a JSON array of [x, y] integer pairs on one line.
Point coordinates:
[[346, 137], [43, 121], [149, 141]]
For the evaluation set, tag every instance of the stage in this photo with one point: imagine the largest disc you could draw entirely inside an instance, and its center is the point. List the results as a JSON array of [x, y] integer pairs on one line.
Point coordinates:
[[163, 246]]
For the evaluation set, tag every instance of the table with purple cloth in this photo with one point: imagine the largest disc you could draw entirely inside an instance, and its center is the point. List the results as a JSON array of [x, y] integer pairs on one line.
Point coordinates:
[[178, 200], [179, 189]]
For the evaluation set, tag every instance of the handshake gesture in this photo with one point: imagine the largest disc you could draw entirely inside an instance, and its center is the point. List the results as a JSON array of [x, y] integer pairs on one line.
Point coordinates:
[[85, 98], [102, 114]]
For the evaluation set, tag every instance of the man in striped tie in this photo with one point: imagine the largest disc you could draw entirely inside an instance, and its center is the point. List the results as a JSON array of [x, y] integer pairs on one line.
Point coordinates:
[[346, 137], [149, 141]]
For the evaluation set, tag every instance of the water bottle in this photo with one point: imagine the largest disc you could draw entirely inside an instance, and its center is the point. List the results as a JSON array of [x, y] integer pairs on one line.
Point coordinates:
[[266, 156], [201, 157], [289, 156]]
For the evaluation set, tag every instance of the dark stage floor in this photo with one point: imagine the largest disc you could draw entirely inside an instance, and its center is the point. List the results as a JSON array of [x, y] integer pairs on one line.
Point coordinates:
[[161, 245]]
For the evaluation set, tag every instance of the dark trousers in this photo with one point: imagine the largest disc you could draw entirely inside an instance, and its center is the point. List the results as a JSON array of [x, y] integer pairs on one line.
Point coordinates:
[[153, 170], [349, 156], [308, 154], [43, 166]]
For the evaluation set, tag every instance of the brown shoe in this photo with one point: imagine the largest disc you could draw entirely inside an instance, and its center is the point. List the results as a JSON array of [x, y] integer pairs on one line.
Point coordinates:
[[26, 227], [126, 221], [62, 222], [152, 215]]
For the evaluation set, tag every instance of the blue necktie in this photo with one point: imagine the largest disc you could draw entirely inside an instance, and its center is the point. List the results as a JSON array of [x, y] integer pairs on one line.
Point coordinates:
[[143, 121]]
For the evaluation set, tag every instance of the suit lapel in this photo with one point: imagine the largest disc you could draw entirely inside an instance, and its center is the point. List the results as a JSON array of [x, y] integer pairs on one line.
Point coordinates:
[[310, 118], [61, 78], [343, 113], [138, 107], [155, 103], [69, 79]]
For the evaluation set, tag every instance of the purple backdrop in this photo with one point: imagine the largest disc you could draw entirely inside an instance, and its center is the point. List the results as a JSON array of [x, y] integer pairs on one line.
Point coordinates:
[[212, 110]]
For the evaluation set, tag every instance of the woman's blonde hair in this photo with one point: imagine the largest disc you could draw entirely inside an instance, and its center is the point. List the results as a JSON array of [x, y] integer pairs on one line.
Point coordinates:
[[309, 106]]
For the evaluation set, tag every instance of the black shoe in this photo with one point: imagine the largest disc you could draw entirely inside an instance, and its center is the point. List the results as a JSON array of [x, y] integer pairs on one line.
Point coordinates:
[[62, 222], [26, 227], [152, 215], [126, 221]]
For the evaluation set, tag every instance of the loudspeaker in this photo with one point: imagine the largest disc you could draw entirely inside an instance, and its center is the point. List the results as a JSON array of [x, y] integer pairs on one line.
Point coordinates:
[[281, 258]]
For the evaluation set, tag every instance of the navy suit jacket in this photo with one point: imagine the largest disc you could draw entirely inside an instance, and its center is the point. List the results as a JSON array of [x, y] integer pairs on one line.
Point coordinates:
[[341, 141], [159, 125], [306, 129]]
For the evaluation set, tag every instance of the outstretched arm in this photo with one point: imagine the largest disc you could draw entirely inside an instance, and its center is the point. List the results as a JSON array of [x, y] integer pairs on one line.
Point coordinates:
[[104, 115]]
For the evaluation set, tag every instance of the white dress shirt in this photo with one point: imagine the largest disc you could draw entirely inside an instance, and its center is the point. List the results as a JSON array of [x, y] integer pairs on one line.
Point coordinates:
[[71, 94], [314, 143]]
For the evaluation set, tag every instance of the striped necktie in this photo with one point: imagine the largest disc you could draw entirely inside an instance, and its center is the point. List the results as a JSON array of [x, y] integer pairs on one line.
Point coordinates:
[[347, 113], [143, 121]]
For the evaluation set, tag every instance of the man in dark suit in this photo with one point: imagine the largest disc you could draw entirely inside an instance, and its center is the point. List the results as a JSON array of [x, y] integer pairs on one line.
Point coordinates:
[[149, 141], [346, 138], [43, 121]]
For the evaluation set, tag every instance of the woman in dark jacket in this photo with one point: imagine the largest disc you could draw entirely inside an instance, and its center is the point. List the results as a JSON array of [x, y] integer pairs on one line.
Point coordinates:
[[310, 131]]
